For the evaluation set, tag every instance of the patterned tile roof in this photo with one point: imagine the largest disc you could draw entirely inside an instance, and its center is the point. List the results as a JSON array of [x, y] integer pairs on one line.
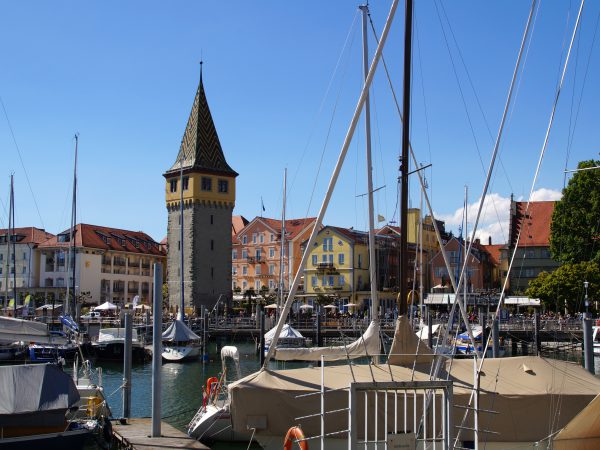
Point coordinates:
[[106, 238], [293, 227], [28, 235], [200, 147]]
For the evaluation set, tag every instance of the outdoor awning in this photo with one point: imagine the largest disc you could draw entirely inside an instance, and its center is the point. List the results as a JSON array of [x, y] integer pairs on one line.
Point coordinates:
[[439, 299], [522, 301]]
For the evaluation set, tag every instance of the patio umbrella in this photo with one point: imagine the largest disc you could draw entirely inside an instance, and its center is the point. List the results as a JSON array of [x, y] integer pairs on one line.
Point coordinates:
[[330, 307], [271, 306], [351, 305], [105, 307], [141, 306], [306, 307]]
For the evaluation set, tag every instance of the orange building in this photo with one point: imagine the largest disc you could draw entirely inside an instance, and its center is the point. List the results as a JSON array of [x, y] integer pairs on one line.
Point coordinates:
[[256, 253]]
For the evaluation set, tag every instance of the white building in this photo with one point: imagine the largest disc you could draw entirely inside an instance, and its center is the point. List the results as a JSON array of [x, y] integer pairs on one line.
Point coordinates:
[[24, 263], [110, 264]]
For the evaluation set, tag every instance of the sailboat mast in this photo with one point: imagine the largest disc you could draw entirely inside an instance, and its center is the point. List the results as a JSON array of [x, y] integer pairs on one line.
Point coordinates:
[[283, 243], [466, 245], [12, 238], [421, 259], [72, 256], [404, 159], [372, 260], [181, 314]]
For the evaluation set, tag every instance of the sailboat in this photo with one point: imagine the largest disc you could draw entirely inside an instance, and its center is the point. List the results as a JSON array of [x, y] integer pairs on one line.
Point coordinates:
[[325, 403], [179, 342]]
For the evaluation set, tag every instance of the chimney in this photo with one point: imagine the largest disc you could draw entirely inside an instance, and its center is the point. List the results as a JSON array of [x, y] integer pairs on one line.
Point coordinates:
[[490, 240]]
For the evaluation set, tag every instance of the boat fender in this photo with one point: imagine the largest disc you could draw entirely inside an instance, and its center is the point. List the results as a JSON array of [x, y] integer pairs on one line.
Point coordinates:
[[295, 434]]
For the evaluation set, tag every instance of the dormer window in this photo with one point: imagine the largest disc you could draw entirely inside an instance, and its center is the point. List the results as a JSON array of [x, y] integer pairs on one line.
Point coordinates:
[[223, 186], [63, 237], [185, 182], [173, 184]]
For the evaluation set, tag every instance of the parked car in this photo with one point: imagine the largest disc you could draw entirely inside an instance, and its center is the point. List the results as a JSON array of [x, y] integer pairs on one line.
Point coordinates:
[[92, 315]]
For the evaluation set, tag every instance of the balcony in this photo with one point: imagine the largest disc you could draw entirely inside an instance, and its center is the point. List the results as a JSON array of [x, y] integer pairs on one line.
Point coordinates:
[[254, 259], [325, 266]]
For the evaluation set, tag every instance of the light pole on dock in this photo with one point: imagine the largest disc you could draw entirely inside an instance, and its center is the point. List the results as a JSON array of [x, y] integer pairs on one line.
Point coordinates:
[[587, 302]]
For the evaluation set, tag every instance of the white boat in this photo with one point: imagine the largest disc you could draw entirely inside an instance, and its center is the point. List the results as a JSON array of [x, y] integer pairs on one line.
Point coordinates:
[[288, 338], [110, 344], [463, 343], [212, 422], [596, 340], [180, 343]]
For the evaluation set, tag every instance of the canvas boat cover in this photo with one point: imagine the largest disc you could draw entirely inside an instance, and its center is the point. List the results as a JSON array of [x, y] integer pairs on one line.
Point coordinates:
[[367, 344], [12, 330], [178, 331], [287, 332], [583, 432], [406, 348], [111, 335], [477, 331], [533, 396], [423, 333], [28, 389]]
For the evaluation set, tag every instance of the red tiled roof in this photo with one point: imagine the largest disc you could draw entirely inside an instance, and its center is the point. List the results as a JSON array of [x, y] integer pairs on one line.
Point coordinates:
[[494, 252], [293, 227], [237, 224], [535, 225], [93, 236], [32, 235]]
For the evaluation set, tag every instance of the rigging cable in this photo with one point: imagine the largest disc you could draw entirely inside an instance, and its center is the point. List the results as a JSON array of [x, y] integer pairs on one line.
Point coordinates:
[[541, 157], [21, 160]]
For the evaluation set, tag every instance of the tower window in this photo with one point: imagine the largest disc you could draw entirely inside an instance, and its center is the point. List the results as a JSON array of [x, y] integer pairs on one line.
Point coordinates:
[[212, 219], [223, 186], [185, 183], [206, 184], [212, 244], [173, 185], [178, 245], [212, 272]]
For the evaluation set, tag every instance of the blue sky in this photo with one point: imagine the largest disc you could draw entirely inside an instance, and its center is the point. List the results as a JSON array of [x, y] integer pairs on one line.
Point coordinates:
[[282, 80]]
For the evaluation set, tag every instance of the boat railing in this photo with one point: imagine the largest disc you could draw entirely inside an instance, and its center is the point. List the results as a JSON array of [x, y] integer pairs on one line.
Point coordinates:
[[385, 414]]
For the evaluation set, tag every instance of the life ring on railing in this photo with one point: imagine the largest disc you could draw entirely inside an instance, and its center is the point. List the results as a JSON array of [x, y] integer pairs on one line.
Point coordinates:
[[598, 322], [294, 434]]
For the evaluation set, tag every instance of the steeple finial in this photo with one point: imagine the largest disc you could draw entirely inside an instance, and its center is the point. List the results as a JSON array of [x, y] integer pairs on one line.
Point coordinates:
[[201, 63]]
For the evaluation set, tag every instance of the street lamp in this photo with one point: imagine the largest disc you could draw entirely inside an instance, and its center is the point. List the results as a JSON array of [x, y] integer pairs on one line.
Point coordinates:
[[587, 303]]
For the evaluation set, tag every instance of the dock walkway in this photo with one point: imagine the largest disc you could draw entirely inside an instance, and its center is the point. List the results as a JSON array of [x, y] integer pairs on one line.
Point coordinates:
[[135, 435]]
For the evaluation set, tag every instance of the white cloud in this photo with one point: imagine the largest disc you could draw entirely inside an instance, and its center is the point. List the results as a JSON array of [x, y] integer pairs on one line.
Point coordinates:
[[494, 219]]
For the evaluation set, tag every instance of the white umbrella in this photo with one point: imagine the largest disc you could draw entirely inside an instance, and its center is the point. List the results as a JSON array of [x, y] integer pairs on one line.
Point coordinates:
[[106, 306], [306, 307], [141, 306], [330, 307], [271, 306], [351, 305]]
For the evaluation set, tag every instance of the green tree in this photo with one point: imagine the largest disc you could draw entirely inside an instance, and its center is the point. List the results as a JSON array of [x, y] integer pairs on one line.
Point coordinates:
[[565, 284], [575, 228], [165, 296]]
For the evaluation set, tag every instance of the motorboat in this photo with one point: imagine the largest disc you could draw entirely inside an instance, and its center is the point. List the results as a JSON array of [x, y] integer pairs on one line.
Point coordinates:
[[463, 343], [180, 343], [12, 350], [35, 401], [92, 401], [212, 422], [110, 344]]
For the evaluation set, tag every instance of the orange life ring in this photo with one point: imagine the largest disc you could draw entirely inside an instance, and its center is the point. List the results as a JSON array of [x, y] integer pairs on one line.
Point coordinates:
[[598, 322], [294, 434]]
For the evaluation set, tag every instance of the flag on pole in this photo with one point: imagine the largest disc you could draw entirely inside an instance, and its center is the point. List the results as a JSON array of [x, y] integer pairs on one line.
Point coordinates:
[[11, 303], [262, 204], [380, 218]]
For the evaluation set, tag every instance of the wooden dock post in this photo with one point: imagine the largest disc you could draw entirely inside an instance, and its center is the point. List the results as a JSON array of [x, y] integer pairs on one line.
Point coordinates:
[[156, 352]]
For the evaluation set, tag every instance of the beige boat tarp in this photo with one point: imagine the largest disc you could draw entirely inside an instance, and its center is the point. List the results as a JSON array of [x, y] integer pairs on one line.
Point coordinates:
[[406, 348], [272, 396], [367, 344], [583, 432], [533, 396]]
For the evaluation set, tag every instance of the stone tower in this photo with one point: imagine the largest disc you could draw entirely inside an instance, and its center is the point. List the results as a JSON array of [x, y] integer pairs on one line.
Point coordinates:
[[208, 185]]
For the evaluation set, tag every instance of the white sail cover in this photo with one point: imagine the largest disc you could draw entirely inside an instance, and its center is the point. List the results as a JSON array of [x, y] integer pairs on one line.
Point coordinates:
[[113, 335], [367, 344], [178, 331], [287, 332], [230, 351]]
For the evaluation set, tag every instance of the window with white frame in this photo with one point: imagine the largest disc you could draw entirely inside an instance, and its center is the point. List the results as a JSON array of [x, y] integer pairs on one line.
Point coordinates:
[[271, 284], [257, 269], [342, 280], [254, 238], [257, 285], [271, 252], [234, 254], [261, 238], [244, 253], [272, 237], [328, 244], [271, 269], [341, 258], [244, 239], [244, 270], [314, 260], [314, 281]]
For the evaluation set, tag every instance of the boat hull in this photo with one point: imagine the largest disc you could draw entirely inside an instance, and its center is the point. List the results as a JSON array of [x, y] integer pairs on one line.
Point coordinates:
[[115, 351], [71, 439], [213, 423], [180, 353]]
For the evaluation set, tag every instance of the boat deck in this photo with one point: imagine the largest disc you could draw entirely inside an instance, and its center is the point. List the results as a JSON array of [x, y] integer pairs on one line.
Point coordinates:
[[136, 435]]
